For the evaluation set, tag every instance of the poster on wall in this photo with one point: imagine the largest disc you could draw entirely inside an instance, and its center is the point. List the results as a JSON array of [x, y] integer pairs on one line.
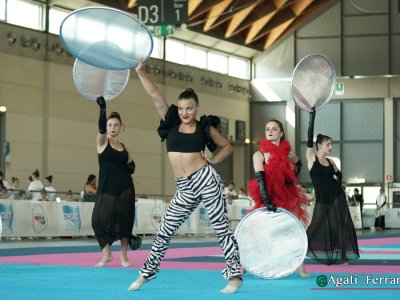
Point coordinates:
[[240, 130], [224, 127]]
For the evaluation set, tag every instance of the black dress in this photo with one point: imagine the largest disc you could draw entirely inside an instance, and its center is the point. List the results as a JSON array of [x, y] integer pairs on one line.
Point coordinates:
[[114, 211], [331, 235]]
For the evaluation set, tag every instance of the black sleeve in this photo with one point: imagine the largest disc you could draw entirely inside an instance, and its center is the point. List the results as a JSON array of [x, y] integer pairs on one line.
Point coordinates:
[[310, 131], [102, 115], [299, 165], [206, 122], [171, 120]]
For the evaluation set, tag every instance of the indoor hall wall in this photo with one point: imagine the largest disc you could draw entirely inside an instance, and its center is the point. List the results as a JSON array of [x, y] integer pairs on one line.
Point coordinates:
[[50, 126]]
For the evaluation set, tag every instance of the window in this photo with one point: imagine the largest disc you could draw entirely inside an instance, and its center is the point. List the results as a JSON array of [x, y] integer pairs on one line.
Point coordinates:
[[25, 14], [56, 16], [217, 63], [196, 57], [239, 68], [157, 48], [185, 54], [2, 10], [175, 51]]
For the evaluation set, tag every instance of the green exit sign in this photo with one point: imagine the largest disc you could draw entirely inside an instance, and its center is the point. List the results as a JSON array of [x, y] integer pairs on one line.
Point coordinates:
[[164, 30], [339, 88]]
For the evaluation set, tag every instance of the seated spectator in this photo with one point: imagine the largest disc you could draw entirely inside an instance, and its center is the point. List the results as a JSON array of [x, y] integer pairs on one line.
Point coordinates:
[[230, 193], [91, 184], [90, 189], [242, 193], [4, 185], [35, 187], [69, 196], [16, 192], [43, 195], [48, 185]]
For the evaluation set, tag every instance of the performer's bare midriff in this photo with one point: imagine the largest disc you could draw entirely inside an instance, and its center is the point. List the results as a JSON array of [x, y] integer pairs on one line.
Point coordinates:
[[184, 164]]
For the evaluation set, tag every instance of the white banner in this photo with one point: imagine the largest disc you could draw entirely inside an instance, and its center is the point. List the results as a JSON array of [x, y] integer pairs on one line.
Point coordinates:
[[22, 218]]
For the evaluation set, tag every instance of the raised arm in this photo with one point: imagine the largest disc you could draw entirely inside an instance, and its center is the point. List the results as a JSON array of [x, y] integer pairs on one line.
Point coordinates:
[[102, 135], [152, 89], [310, 139]]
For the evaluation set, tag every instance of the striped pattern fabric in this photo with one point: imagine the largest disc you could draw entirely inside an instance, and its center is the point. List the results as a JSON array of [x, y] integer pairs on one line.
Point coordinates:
[[204, 186]]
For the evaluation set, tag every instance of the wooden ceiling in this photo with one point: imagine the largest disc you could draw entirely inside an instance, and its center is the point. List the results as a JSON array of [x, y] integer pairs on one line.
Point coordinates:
[[257, 24]]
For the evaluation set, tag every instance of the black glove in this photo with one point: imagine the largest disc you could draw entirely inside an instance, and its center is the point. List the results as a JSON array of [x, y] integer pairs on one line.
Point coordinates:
[[299, 164], [103, 114], [131, 167], [339, 176], [310, 132], [260, 175]]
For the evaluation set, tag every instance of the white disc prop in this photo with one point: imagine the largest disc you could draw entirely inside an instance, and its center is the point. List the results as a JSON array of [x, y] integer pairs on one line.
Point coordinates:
[[271, 244], [313, 82], [106, 38], [92, 82]]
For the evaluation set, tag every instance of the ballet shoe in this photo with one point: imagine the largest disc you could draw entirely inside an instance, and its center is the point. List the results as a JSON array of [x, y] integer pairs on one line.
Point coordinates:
[[125, 264], [102, 263], [233, 285], [138, 283]]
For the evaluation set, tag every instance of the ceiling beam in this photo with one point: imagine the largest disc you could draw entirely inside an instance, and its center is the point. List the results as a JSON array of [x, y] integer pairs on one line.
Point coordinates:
[[311, 11], [199, 7], [278, 19], [259, 11], [192, 5], [276, 33], [132, 3], [299, 7], [231, 11], [237, 19], [257, 27], [215, 12]]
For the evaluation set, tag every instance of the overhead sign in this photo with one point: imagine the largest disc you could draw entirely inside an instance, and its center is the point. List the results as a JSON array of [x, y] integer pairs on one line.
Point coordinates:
[[163, 12], [164, 30]]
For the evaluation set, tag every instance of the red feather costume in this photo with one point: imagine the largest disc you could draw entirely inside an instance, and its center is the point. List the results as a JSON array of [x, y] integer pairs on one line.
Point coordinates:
[[281, 181]]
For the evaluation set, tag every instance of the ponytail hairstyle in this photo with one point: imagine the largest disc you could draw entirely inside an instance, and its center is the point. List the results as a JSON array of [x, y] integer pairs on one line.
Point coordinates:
[[49, 178], [321, 138], [189, 93], [116, 115], [36, 173]]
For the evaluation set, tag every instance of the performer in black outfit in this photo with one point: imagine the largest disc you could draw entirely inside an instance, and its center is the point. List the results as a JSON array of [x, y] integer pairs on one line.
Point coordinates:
[[331, 235], [114, 211]]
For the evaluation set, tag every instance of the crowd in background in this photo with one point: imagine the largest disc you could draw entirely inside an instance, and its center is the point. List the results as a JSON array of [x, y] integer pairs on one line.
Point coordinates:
[[45, 191]]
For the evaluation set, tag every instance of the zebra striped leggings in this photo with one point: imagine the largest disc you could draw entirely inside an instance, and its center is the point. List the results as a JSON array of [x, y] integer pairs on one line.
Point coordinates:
[[204, 186]]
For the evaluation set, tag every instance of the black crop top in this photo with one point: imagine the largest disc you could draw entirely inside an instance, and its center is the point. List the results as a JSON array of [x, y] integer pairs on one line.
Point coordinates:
[[187, 142]]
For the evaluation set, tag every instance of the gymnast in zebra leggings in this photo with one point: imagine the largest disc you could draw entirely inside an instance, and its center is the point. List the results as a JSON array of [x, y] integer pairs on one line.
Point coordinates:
[[196, 180]]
